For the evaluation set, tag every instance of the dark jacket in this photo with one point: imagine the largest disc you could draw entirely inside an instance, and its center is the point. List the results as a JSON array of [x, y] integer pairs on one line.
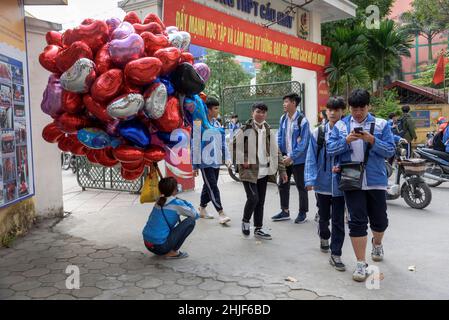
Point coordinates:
[[408, 126]]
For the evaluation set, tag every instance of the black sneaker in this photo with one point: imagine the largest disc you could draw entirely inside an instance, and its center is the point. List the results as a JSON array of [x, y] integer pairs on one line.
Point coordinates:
[[281, 216], [245, 228], [258, 233], [335, 261], [302, 217], [324, 245]]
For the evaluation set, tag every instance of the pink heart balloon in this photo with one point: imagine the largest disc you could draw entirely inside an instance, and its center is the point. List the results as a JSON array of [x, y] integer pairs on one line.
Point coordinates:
[[125, 50], [52, 97], [203, 70]]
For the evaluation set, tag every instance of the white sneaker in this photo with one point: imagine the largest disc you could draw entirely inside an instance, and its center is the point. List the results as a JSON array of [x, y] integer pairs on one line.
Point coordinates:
[[360, 273], [204, 214], [377, 254], [223, 219]]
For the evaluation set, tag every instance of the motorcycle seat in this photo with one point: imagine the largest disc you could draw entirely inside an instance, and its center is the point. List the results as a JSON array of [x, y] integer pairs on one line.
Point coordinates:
[[442, 155]]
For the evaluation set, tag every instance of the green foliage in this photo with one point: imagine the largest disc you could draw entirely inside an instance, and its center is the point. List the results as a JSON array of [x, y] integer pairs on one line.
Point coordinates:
[[225, 72], [425, 78], [383, 106], [273, 72]]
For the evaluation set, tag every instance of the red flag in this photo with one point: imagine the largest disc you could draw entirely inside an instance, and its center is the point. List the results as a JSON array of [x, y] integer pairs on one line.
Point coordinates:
[[440, 73]]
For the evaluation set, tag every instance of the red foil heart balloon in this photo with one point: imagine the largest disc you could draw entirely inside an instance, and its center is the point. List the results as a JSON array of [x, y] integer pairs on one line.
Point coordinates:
[[169, 58], [72, 102], [87, 21], [103, 60], [71, 123], [47, 58], [154, 42], [96, 109], [154, 154], [54, 37], [90, 154], [143, 71], [51, 133], [139, 28], [95, 33], [137, 166], [107, 86], [155, 28], [187, 57], [77, 147], [172, 118], [64, 144], [128, 175], [126, 153], [152, 17], [130, 88], [132, 18], [105, 157], [67, 57]]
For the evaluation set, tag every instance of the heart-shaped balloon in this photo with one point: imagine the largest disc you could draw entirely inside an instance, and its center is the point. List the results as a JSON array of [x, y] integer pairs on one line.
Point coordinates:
[[72, 102], [124, 50], [168, 85], [106, 158], [95, 138], [130, 88], [152, 17], [155, 100], [52, 98], [79, 77], [103, 60], [130, 176], [154, 154], [203, 70], [112, 128], [126, 106], [135, 132], [94, 33], [112, 23], [171, 29], [90, 155], [139, 28], [107, 86], [76, 51], [154, 42], [126, 153], [169, 58], [65, 144], [47, 58], [176, 40], [186, 80], [155, 28], [77, 148], [171, 118], [71, 123], [185, 40], [143, 71], [54, 37], [98, 110], [51, 133], [124, 30], [187, 57], [132, 17], [134, 167], [173, 138]]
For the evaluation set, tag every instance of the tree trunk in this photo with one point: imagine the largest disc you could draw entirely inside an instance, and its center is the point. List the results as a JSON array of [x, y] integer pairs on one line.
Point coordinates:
[[430, 53]]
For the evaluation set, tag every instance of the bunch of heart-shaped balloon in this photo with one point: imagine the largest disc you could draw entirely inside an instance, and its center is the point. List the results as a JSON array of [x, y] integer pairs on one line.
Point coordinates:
[[118, 89]]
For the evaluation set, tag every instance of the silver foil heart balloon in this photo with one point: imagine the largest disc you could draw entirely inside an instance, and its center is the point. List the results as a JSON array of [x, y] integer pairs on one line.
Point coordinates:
[[171, 29], [79, 77], [126, 106], [176, 40], [155, 101], [185, 40]]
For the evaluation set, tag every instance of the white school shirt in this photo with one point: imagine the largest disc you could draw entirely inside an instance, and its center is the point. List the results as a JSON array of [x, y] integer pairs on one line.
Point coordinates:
[[289, 133], [261, 151]]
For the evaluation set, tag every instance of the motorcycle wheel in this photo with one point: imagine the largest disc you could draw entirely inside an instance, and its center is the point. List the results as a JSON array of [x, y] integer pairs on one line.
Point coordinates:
[[66, 161], [417, 194], [433, 169]]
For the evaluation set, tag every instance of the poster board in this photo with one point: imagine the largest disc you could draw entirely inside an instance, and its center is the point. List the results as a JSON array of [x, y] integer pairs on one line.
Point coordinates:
[[16, 164]]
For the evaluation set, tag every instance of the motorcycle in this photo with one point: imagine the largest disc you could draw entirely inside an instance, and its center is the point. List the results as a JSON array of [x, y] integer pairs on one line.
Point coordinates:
[[68, 161], [437, 165], [414, 190]]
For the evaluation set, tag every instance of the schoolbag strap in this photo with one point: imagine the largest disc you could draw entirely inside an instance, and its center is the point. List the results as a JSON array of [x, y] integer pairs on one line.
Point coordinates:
[[371, 131]]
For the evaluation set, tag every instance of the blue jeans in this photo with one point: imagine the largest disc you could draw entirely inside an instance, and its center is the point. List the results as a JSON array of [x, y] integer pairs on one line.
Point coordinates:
[[332, 208], [175, 239]]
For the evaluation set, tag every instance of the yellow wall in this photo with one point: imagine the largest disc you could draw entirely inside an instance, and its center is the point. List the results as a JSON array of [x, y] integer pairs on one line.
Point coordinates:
[[436, 111], [16, 220]]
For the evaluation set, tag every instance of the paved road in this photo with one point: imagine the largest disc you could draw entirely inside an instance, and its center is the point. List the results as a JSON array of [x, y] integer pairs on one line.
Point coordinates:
[[102, 236]]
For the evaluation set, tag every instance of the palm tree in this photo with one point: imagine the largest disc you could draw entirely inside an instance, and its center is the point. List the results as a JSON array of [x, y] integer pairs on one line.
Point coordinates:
[[346, 68], [385, 46]]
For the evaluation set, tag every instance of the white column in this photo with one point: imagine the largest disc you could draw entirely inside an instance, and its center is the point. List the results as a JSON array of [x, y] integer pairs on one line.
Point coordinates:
[[309, 79], [46, 156]]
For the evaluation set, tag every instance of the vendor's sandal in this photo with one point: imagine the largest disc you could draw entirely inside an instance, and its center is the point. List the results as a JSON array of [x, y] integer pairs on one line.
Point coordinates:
[[180, 255]]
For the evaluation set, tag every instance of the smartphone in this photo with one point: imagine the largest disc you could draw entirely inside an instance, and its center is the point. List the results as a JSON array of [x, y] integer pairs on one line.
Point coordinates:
[[358, 130]]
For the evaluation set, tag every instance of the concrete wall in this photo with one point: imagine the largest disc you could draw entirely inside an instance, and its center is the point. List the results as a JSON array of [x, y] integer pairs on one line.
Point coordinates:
[[47, 163]]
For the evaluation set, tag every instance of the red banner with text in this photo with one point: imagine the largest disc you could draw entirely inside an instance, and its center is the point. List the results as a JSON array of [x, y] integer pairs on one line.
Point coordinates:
[[215, 30]]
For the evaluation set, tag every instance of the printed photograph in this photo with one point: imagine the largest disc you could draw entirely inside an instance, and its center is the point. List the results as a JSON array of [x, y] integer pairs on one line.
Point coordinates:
[[5, 73], [10, 191], [21, 132], [17, 75], [22, 171], [9, 169]]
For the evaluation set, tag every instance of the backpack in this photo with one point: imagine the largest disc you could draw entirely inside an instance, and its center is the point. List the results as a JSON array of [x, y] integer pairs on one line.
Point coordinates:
[[437, 142], [320, 140], [400, 130], [299, 120]]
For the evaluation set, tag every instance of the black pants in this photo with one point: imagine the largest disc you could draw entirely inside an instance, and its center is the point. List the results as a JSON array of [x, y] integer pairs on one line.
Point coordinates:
[[176, 238], [210, 190], [284, 188], [255, 200], [332, 208], [366, 206]]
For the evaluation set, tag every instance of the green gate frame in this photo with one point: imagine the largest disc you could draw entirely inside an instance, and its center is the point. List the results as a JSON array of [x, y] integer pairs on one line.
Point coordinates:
[[92, 176], [267, 92]]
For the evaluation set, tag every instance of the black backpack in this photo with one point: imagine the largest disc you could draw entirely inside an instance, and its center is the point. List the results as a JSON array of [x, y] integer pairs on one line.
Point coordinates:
[[437, 143], [321, 139]]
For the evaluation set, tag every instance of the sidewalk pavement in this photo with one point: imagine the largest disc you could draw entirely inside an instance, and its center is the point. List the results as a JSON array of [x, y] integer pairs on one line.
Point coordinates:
[[101, 234]]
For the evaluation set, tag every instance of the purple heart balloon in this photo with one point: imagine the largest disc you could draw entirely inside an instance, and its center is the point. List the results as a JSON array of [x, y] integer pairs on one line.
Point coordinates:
[[52, 97], [124, 29], [113, 24], [124, 50], [203, 70], [112, 128]]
